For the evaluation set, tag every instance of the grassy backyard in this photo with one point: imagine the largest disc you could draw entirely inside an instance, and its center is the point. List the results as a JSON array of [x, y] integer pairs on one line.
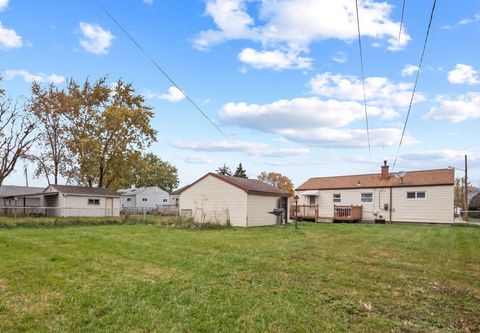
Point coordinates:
[[143, 278]]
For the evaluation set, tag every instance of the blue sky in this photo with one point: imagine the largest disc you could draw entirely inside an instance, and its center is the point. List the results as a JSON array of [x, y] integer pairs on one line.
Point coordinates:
[[280, 77]]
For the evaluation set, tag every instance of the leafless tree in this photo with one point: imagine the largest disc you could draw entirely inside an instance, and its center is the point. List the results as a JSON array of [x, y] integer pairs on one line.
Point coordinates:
[[16, 134]]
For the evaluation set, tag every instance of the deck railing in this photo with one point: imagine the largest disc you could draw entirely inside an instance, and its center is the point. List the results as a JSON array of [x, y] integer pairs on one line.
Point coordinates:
[[347, 213], [304, 211]]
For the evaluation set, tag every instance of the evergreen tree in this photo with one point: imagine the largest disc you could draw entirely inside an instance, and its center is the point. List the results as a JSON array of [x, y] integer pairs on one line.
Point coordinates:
[[224, 170], [240, 172]]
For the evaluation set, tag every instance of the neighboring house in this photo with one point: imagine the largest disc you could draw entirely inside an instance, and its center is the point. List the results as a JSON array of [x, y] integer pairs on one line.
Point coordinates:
[[144, 197], [242, 202], [66, 200], [420, 196], [14, 199], [174, 197], [60, 200]]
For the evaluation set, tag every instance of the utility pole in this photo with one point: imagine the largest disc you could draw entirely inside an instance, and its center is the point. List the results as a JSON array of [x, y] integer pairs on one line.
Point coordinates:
[[465, 214], [26, 174]]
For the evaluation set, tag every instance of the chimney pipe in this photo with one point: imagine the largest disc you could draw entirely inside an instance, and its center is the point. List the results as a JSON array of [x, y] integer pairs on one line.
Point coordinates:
[[385, 171]]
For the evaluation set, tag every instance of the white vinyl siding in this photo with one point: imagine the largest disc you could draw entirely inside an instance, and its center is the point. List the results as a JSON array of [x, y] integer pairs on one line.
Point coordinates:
[[77, 205], [258, 208], [214, 200], [436, 207]]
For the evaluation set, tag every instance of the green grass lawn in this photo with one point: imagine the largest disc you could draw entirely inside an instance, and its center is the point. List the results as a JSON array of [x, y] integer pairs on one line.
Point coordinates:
[[141, 278]]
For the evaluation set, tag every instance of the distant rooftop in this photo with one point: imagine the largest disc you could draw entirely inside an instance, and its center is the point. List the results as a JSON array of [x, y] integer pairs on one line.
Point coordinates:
[[13, 190], [70, 189]]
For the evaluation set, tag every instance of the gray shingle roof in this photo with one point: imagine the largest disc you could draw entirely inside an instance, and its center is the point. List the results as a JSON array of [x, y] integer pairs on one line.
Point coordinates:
[[70, 189], [12, 190]]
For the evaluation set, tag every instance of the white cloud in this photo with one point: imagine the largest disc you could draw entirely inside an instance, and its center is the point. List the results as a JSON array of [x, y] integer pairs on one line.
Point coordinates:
[[148, 2], [3, 4], [340, 57], [312, 121], [231, 19], [9, 38], [10, 74], [295, 113], [440, 158], [294, 25], [464, 21], [379, 90], [196, 159], [276, 59], [174, 95], [346, 137], [220, 146], [464, 107], [251, 148], [409, 70], [95, 39], [463, 74]]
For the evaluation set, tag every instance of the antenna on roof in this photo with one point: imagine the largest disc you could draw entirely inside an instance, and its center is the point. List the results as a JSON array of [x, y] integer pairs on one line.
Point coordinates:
[[401, 175]]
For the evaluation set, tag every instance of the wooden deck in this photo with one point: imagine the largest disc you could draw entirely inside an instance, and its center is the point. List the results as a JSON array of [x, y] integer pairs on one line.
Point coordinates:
[[307, 212], [347, 213]]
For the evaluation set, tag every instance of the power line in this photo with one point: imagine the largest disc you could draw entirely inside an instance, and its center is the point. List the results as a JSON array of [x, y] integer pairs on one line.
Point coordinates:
[[401, 22], [416, 81], [363, 80], [364, 92], [169, 78]]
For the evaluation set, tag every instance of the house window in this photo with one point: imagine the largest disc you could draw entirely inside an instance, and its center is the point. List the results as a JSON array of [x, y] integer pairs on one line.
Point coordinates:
[[416, 195], [95, 202], [312, 200], [367, 197], [144, 199], [129, 199], [337, 197], [165, 200]]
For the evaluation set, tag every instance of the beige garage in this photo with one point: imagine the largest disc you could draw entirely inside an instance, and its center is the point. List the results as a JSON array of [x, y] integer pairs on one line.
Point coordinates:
[[243, 202]]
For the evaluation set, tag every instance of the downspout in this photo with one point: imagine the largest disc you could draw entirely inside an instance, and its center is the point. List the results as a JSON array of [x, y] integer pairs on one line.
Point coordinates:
[[64, 200], [390, 207]]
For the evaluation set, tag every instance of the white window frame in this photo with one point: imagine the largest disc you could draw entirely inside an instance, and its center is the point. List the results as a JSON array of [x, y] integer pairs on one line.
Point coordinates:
[[338, 198], [93, 202], [310, 200], [366, 199], [415, 193]]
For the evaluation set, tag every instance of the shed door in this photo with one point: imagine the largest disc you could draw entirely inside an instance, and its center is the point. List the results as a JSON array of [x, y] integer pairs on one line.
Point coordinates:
[[109, 207]]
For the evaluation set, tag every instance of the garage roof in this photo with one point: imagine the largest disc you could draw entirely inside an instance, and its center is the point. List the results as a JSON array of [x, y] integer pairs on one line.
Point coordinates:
[[253, 186], [84, 190]]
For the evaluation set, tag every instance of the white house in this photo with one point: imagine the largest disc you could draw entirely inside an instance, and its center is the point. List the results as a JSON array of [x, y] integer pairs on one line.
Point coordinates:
[[242, 202], [144, 197], [418, 196], [66, 200]]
